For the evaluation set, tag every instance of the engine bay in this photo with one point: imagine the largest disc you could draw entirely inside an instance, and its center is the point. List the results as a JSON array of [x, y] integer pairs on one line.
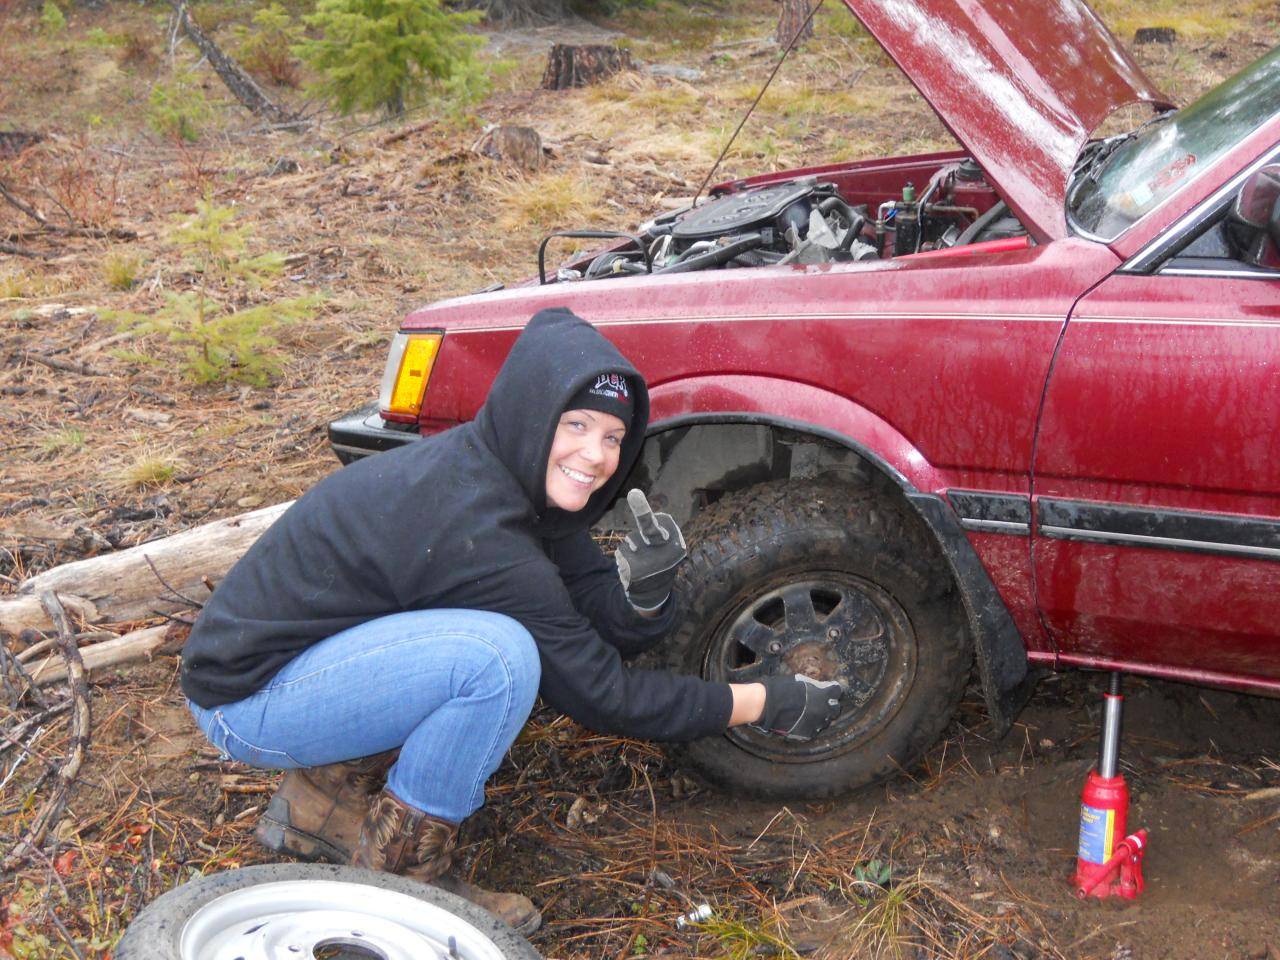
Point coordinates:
[[805, 220]]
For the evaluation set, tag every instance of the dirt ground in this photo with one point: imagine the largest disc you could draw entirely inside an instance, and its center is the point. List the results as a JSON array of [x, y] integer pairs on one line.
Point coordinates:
[[104, 443]]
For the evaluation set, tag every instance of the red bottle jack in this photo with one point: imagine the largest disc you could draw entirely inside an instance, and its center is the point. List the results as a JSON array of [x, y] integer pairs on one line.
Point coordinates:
[[1104, 816]]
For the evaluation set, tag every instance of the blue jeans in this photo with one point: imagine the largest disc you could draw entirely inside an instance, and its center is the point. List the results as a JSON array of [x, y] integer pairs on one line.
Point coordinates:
[[450, 688]]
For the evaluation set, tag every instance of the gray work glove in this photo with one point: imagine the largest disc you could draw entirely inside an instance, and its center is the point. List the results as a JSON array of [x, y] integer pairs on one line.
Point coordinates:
[[647, 559], [799, 707]]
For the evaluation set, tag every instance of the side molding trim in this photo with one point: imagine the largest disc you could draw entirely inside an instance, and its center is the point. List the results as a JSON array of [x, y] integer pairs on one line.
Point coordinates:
[[1183, 530], [992, 512]]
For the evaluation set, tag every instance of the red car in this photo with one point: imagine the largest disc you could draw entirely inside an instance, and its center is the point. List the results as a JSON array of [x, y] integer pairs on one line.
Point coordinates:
[[1017, 404]]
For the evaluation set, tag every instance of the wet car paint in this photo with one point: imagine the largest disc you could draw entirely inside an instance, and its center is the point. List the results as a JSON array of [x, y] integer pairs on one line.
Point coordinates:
[[1045, 373]]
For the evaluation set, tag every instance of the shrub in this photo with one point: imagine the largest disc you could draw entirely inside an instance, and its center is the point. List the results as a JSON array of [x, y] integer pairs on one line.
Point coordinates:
[[217, 341], [264, 48], [51, 18], [135, 49], [387, 53], [178, 109]]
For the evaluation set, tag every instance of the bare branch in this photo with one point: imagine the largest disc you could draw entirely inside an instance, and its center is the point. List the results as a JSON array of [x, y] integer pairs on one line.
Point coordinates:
[[173, 590], [78, 740], [16, 251]]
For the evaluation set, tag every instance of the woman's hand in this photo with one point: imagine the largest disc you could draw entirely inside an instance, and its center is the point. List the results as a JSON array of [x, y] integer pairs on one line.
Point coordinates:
[[647, 559], [798, 707]]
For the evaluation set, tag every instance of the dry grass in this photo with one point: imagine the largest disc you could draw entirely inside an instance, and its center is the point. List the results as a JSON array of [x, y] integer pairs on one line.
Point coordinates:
[[1205, 21], [121, 270], [675, 27], [549, 201], [150, 469], [62, 441], [656, 100], [19, 284]]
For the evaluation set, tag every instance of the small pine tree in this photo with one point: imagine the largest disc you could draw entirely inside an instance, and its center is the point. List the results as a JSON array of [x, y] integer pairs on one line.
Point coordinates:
[[179, 109], [217, 341], [52, 19], [386, 53], [265, 49]]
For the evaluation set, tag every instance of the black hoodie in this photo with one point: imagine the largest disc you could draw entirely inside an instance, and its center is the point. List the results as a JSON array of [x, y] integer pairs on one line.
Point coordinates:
[[460, 520]]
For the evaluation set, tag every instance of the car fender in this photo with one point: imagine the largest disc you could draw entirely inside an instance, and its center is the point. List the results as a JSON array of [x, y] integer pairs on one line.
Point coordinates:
[[999, 648]]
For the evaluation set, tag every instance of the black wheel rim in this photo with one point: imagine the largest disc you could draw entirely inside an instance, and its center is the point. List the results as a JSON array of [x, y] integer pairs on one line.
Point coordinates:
[[829, 625]]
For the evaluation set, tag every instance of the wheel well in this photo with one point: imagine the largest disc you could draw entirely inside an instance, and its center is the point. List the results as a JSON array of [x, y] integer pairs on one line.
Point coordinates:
[[687, 468]]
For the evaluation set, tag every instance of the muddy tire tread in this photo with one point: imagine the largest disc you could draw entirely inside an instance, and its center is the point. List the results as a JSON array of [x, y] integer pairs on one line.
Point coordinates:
[[755, 528]]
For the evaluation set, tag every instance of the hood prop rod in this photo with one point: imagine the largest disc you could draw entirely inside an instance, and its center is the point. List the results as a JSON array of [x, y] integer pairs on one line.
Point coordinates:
[[759, 96]]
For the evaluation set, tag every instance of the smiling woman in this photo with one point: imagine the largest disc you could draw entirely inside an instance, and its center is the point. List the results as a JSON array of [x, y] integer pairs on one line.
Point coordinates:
[[584, 454], [408, 644]]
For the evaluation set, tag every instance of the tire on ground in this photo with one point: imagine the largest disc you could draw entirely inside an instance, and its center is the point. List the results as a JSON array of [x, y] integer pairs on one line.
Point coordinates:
[[801, 547], [156, 932]]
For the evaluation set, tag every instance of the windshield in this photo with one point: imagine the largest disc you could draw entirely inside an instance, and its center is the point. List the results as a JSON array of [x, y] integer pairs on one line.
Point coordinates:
[[1122, 180]]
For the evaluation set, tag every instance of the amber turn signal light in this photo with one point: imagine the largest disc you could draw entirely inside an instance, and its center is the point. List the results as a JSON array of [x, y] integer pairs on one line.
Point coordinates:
[[404, 382]]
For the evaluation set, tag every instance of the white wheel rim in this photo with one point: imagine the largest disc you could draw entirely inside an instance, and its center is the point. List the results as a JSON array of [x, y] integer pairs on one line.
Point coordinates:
[[303, 919]]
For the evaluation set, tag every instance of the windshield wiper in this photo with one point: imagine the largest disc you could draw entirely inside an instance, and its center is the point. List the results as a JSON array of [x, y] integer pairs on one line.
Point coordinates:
[[1094, 156]]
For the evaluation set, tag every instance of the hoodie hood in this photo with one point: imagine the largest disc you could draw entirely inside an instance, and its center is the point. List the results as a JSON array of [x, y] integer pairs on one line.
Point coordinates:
[[557, 355]]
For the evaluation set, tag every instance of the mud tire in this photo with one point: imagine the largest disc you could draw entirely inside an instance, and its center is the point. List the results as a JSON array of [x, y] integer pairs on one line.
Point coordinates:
[[156, 933], [789, 539]]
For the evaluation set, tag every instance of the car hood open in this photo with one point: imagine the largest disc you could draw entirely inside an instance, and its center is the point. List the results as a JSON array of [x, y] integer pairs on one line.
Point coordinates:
[[1020, 84]]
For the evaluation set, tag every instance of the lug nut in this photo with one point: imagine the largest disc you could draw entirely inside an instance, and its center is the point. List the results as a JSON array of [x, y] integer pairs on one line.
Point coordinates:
[[775, 646], [833, 633]]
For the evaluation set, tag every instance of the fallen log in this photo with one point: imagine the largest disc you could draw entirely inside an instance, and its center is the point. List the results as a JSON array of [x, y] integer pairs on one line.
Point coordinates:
[[162, 576], [130, 648], [25, 613], [242, 86]]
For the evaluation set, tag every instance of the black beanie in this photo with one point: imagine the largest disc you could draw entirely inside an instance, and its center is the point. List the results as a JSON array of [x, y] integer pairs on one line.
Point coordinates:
[[607, 393]]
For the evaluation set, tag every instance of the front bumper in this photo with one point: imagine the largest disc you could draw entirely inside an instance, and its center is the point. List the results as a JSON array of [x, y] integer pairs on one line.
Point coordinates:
[[363, 432]]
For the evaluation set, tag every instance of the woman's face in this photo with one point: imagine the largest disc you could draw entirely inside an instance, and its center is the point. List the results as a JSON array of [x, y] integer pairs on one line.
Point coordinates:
[[584, 454]]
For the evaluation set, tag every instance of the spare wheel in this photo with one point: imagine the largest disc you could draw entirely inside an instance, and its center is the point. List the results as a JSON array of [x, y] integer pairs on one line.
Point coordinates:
[[314, 911]]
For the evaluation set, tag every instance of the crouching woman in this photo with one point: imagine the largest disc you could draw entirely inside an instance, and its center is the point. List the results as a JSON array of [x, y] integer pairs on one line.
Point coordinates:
[[385, 639]]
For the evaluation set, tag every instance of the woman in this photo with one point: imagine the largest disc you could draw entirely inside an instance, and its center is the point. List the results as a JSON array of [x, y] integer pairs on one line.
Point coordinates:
[[419, 600]]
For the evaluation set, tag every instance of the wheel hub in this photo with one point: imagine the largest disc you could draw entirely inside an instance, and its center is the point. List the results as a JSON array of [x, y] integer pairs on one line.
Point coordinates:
[[814, 658], [829, 626]]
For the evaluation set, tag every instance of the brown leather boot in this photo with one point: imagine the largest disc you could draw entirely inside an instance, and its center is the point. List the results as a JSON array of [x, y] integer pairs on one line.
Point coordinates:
[[398, 838], [316, 812]]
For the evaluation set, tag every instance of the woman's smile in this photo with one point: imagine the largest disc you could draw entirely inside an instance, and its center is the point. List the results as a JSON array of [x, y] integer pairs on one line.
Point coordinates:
[[584, 455]]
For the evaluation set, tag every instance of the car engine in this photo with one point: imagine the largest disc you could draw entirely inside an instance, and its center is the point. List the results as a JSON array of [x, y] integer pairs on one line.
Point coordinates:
[[800, 221]]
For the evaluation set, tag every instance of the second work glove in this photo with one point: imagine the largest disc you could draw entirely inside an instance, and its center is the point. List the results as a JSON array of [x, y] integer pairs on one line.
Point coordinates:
[[647, 558], [799, 707]]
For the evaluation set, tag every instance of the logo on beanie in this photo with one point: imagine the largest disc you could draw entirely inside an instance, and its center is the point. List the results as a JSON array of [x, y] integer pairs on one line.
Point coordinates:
[[611, 386]]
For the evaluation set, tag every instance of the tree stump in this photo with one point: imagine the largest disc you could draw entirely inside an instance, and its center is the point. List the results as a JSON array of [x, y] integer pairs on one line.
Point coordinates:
[[570, 65], [1155, 35], [519, 146], [794, 23]]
